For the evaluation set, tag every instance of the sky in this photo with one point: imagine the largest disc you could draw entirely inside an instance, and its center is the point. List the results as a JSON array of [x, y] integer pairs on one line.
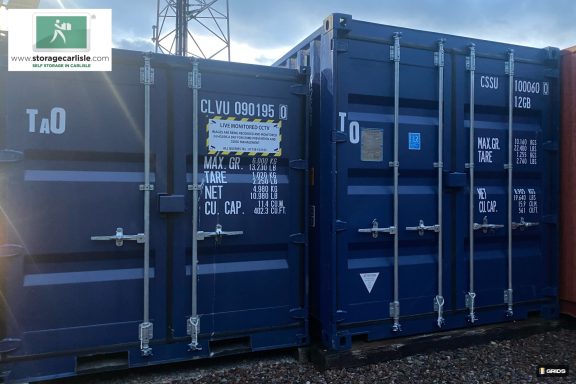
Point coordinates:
[[263, 30]]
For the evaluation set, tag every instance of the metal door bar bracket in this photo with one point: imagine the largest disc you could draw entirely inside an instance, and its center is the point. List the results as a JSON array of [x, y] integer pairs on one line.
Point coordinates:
[[375, 230], [395, 49], [194, 80], [193, 187], [218, 233], [522, 225], [509, 299], [146, 333], [147, 74], [395, 314], [193, 330], [146, 187], [470, 299], [439, 308], [120, 237], [471, 60], [421, 228], [485, 226]]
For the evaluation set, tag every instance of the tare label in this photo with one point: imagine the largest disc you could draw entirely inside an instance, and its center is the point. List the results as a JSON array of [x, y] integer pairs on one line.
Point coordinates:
[[234, 185], [486, 148]]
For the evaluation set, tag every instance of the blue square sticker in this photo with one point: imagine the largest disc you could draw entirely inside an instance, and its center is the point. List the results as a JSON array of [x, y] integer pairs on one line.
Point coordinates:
[[414, 143]]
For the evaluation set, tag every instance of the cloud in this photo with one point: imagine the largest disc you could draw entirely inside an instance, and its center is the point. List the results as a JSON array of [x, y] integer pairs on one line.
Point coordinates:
[[134, 43], [261, 28]]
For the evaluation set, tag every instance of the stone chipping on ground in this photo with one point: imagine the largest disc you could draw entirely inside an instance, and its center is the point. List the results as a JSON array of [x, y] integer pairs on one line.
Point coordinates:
[[499, 362]]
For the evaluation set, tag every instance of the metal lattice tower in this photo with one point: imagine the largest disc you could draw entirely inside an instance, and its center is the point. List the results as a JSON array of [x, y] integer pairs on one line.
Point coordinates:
[[199, 28]]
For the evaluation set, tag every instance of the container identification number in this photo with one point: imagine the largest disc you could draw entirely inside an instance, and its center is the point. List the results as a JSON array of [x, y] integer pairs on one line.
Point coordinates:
[[244, 109], [524, 89]]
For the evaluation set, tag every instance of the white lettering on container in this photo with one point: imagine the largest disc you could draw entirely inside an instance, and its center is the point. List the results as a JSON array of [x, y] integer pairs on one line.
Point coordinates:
[[55, 124]]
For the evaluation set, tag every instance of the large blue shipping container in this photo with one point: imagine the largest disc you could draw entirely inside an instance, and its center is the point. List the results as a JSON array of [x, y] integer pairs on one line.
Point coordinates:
[[435, 180], [150, 214]]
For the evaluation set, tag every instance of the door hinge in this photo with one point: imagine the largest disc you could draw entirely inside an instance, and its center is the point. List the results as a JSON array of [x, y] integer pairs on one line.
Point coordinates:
[[339, 137], [340, 225], [299, 89], [298, 313], [299, 164], [11, 250], [340, 315], [10, 156], [298, 238], [340, 45], [9, 345]]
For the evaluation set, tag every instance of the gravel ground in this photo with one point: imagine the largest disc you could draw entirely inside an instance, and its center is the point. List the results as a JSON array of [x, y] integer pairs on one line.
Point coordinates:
[[511, 361]]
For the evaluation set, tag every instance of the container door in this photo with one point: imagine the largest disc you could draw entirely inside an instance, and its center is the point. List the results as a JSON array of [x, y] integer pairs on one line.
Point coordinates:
[[387, 185], [506, 113], [77, 177], [243, 285]]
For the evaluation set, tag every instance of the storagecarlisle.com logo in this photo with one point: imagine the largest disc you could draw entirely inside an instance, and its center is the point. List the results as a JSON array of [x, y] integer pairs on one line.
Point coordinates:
[[61, 32], [60, 40]]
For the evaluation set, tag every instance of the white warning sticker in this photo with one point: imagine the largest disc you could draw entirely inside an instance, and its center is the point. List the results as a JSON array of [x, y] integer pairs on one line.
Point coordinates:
[[369, 280], [244, 136]]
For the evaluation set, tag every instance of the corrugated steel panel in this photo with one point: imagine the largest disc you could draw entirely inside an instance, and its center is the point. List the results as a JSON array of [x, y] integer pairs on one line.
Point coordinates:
[[392, 259], [73, 173]]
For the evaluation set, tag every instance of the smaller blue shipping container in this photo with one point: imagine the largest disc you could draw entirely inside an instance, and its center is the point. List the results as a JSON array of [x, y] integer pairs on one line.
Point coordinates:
[[151, 214], [435, 180]]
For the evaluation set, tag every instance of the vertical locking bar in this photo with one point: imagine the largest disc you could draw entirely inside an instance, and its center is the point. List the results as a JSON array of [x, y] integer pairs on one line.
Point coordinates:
[[471, 296], [193, 323], [395, 56], [510, 66], [146, 327], [439, 299]]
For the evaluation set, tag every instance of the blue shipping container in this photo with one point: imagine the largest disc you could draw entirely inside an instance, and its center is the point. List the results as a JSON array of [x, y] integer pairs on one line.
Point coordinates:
[[106, 263], [434, 199]]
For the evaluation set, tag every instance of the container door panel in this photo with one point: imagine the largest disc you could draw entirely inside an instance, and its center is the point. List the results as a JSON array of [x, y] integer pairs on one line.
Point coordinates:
[[250, 208], [365, 187], [530, 101], [79, 177]]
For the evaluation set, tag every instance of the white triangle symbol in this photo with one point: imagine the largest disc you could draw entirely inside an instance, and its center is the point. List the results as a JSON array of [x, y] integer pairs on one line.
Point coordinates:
[[369, 280]]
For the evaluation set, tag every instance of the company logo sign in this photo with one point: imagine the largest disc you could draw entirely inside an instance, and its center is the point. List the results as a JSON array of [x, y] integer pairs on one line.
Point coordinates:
[[553, 371], [60, 40], [61, 32]]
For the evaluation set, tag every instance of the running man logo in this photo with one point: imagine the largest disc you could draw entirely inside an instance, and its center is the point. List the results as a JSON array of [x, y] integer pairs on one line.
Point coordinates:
[[61, 32]]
